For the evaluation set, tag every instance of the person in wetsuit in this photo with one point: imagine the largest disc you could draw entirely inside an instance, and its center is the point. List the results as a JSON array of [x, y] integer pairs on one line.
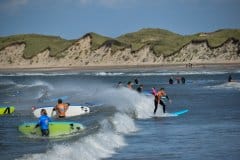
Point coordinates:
[[158, 100], [140, 88], [230, 78], [61, 108], [170, 81], [43, 123]]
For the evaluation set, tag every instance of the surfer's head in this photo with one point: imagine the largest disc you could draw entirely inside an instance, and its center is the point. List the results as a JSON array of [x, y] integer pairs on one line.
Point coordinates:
[[43, 112], [59, 100]]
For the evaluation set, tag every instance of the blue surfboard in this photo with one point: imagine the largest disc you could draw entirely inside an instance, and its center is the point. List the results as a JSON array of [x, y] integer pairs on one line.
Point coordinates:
[[172, 114], [180, 112]]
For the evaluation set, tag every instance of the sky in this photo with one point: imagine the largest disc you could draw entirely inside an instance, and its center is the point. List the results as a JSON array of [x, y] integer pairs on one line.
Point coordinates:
[[72, 19]]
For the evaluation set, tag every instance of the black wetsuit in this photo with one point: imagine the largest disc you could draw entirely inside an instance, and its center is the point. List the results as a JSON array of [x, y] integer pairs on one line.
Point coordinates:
[[160, 102]]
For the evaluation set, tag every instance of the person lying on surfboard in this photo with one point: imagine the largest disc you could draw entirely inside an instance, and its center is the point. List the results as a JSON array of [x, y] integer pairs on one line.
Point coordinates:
[[61, 108], [158, 100], [43, 123]]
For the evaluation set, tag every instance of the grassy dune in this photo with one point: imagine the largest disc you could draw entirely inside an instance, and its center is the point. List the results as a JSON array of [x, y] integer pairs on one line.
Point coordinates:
[[99, 40], [37, 43], [166, 42], [162, 41]]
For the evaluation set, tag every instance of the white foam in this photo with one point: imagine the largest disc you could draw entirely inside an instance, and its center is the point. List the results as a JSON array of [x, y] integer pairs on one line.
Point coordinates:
[[162, 73], [110, 136], [6, 82], [124, 124], [227, 85], [37, 74], [93, 147]]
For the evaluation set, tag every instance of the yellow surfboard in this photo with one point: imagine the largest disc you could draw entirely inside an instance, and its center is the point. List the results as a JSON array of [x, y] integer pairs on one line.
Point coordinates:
[[7, 110]]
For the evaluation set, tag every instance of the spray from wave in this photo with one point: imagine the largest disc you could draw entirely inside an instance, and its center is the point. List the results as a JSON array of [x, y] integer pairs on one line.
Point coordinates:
[[227, 85], [111, 136], [93, 147]]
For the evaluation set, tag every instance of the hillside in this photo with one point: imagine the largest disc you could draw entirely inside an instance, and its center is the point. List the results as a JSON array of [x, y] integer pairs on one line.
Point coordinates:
[[146, 46], [36, 43], [165, 42]]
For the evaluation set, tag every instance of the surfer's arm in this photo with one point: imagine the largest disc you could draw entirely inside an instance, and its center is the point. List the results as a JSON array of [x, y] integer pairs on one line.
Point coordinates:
[[54, 108], [169, 100], [167, 97], [66, 106]]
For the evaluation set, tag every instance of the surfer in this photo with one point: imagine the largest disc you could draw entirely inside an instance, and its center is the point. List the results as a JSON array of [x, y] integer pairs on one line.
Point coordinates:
[[136, 81], [129, 85], [43, 123], [183, 80], [61, 108], [158, 100], [170, 81], [230, 78], [140, 88]]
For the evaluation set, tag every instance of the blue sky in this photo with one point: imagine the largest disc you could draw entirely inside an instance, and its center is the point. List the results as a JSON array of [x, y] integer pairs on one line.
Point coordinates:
[[71, 19]]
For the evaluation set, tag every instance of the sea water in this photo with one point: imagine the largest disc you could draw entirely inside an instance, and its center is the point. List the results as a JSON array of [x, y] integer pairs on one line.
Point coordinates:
[[121, 124]]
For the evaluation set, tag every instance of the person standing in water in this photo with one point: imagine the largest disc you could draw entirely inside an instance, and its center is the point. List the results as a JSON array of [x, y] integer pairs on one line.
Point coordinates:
[[170, 81], [230, 78], [140, 88], [43, 123], [158, 100], [129, 85], [61, 108]]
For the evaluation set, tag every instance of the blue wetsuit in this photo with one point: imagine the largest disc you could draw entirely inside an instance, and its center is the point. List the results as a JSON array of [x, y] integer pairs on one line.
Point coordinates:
[[43, 123]]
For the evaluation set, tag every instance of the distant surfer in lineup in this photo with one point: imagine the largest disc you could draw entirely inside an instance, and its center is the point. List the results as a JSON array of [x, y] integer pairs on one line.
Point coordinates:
[[230, 78], [43, 123], [183, 80], [158, 100], [140, 88], [129, 85], [61, 108], [136, 81], [170, 81]]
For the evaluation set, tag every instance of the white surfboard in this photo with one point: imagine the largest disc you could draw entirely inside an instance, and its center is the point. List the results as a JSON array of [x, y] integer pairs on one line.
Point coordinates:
[[72, 111]]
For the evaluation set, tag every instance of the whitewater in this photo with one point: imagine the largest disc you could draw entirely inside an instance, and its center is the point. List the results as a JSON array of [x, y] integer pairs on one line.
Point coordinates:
[[121, 124]]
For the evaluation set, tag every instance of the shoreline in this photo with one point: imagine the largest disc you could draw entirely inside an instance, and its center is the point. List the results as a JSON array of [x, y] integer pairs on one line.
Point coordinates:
[[121, 67]]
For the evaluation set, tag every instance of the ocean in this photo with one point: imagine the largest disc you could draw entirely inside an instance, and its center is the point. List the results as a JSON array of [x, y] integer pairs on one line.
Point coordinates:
[[121, 125]]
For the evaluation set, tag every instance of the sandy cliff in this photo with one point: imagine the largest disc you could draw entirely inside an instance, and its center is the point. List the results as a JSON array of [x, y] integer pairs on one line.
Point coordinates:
[[81, 54]]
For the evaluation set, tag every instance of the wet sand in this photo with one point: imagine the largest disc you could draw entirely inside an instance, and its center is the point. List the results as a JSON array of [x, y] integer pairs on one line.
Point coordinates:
[[123, 67]]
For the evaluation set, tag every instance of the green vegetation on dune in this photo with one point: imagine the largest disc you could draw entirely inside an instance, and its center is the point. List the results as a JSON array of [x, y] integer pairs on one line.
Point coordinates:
[[37, 43], [162, 42], [99, 40], [218, 37], [165, 42]]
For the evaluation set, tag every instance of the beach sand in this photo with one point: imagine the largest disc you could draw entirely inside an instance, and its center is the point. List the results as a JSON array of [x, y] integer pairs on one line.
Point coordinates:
[[122, 67]]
